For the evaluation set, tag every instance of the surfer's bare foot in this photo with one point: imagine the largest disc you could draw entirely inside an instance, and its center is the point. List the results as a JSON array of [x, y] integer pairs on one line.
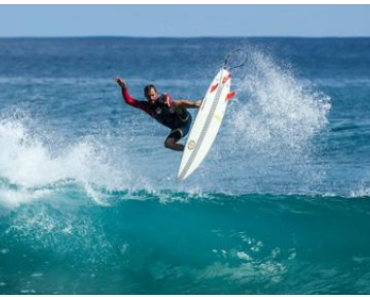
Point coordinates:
[[120, 82]]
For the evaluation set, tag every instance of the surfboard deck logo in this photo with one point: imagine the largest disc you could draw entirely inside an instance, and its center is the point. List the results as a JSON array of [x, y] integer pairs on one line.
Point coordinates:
[[191, 145]]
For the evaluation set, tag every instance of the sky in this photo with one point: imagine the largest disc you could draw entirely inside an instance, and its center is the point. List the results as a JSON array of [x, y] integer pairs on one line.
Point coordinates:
[[185, 20]]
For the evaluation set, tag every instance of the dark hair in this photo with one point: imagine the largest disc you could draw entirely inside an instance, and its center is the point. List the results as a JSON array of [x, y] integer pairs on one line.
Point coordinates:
[[148, 88]]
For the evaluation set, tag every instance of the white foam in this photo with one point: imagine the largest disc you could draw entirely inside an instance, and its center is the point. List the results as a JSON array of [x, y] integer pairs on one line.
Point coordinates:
[[361, 191], [31, 165]]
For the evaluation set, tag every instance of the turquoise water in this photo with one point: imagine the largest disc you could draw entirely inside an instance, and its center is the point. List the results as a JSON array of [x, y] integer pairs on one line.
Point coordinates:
[[89, 202]]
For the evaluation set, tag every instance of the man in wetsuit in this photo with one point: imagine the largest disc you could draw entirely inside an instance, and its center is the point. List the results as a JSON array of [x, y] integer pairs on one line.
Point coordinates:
[[170, 113]]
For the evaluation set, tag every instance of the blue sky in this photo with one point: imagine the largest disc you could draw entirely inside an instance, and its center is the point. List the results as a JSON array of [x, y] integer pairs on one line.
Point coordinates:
[[184, 20]]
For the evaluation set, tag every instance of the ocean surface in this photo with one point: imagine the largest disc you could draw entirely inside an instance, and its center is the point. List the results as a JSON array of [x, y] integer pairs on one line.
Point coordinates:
[[89, 201]]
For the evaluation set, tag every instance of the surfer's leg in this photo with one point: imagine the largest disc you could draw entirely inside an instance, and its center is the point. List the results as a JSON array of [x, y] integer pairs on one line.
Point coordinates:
[[176, 135], [171, 144], [172, 139]]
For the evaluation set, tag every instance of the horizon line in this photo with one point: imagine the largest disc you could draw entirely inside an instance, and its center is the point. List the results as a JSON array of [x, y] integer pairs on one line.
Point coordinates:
[[181, 37]]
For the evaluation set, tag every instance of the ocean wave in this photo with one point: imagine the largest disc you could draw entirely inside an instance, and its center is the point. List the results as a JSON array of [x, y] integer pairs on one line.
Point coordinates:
[[192, 243]]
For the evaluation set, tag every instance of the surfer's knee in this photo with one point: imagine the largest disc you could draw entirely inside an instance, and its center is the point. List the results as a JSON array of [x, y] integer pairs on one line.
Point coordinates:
[[171, 143]]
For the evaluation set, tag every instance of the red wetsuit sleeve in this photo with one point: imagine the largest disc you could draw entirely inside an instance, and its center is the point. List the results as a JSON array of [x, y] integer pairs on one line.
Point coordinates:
[[135, 103]]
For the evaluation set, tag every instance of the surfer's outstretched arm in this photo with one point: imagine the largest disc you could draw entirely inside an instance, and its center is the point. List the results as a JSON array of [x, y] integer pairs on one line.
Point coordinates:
[[128, 99], [187, 103], [125, 94]]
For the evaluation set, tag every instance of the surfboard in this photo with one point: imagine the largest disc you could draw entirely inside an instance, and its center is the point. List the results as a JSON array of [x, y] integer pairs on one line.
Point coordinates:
[[207, 124]]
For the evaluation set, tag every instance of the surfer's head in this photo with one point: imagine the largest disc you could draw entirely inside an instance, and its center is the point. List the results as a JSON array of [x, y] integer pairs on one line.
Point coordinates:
[[150, 93]]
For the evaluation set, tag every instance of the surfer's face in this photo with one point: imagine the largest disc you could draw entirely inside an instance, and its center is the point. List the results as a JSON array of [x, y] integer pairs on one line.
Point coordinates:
[[152, 95]]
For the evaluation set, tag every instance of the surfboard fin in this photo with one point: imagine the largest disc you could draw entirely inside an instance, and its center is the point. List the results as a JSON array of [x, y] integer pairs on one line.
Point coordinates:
[[230, 95]]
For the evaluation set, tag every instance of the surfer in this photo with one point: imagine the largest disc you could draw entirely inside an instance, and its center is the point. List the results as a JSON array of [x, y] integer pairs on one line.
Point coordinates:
[[168, 112]]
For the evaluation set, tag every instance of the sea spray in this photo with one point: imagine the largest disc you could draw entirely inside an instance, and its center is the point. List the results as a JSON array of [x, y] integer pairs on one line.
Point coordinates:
[[275, 110], [273, 126]]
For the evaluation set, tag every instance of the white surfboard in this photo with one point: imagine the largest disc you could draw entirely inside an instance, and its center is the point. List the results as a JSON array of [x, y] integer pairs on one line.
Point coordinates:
[[206, 124]]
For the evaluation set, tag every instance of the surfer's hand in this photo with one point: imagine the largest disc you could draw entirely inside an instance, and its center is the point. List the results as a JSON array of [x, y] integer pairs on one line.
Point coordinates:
[[120, 82], [167, 101], [198, 103]]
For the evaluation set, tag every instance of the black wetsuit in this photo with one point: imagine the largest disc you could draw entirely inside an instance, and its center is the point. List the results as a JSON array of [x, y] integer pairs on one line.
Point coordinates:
[[179, 123]]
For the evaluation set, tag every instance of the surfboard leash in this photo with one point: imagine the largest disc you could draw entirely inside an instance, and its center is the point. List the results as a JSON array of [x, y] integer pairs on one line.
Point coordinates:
[[232, 53]]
